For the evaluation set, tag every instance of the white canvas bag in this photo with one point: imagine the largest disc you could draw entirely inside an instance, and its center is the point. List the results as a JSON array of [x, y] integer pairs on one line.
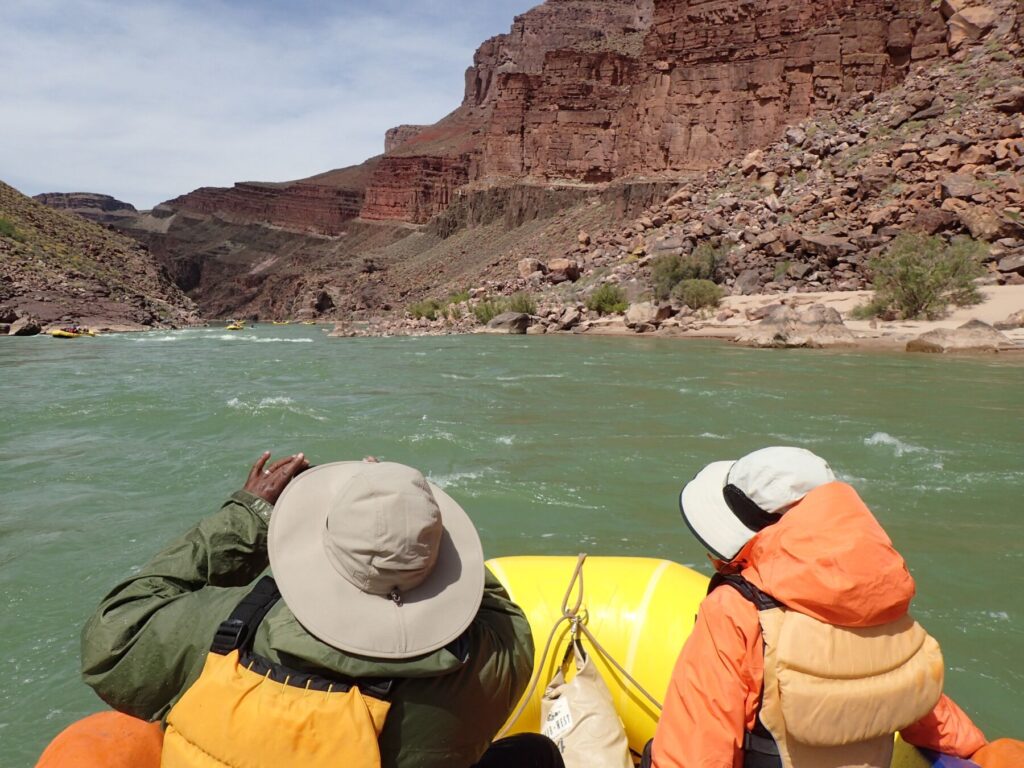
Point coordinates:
[[580, 717]]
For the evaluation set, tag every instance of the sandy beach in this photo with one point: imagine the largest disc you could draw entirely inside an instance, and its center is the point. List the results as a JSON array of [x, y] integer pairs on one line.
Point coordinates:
[[1000, 302]]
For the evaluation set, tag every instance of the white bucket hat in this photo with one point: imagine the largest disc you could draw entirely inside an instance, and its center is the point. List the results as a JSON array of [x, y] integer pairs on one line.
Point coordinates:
[[374, 560], [730, 501]]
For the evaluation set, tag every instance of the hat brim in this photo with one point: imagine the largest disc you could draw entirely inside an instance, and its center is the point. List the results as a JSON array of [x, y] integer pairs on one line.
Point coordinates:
[[702, 503], [340, 614]]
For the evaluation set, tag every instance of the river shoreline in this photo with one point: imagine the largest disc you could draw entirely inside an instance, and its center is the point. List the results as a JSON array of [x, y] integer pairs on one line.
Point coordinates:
[[738, 316]]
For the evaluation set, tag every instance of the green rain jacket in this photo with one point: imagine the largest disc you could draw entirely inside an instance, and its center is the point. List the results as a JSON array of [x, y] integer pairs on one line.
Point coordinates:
[[147, 642]]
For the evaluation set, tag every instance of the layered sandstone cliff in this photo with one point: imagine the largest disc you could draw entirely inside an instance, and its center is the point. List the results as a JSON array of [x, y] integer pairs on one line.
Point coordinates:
[[102, 208], [580, 99], [321, 204]]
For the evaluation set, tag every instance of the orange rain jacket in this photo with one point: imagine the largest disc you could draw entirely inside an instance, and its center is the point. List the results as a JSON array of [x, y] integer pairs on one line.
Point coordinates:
[[828, 558]]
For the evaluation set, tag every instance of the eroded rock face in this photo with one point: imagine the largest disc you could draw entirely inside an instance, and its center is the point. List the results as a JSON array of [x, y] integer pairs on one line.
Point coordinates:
[[719, 78], [413, 188], [302, 206]]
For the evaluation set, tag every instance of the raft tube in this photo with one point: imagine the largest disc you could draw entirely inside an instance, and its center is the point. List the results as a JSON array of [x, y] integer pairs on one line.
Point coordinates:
[[59, 334], [641, 610]]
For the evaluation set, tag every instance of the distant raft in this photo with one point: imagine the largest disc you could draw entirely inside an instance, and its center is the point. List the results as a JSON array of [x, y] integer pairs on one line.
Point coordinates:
[[61, 333], [234, 327]]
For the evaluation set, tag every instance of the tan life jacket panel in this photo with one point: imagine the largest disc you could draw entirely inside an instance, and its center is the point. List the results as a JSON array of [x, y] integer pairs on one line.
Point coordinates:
[[835, 696], [243, 712]]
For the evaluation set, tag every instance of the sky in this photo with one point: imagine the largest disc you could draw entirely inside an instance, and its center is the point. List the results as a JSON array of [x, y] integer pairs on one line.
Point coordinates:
[[148, 99]]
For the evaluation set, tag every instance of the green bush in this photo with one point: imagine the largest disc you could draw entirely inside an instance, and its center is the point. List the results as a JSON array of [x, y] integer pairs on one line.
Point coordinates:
[[8, 230], [607, 300], [428, 308], [670, 270], [522, 302], [457, 298], [698, 294], [919, 275], [488, 309], [871, 309]]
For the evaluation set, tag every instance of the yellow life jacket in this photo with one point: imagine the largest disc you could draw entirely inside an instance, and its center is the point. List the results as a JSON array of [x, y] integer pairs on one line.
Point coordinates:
[[246, 712], [834, 697]]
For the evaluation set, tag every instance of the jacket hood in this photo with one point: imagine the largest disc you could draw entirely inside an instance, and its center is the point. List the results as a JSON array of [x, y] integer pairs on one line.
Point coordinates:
[[830, 559]]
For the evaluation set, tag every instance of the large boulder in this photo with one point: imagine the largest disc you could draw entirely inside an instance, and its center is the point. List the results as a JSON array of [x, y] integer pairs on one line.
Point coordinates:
[[509, 322], [784, 327], [647, 313], [959, 185], [25, 326], [972, 336], [569, 319], [747, 282], [563, 270], [983, 222], [970, 25], [829, 246], [1011, 323], [1009, 264], [4, 328], [528, 267]]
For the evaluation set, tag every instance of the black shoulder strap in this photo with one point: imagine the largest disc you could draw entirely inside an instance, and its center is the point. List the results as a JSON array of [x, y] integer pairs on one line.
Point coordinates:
[[762, 600], [238, 630], [759, 747]]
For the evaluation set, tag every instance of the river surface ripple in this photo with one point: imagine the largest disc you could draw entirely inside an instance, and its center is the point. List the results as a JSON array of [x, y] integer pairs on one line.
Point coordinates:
[[110, 447]]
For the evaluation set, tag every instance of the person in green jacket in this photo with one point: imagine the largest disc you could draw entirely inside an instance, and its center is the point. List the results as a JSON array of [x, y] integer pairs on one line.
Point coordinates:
[[381, 579]]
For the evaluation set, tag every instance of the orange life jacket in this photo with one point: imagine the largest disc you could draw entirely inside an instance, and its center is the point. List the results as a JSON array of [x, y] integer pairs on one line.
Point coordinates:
[[246, 712]]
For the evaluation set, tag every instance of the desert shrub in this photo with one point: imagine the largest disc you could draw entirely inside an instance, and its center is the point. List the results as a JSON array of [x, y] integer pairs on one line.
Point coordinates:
[[698, 294], [781, 269], [428, 308], [488, 309], [868, 310], [8, 230], [458, 297], [670, 270], [919, 275], [607, 300], [522, 302]]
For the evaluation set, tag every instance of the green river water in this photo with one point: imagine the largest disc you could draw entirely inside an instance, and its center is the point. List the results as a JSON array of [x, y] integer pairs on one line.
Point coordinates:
[[109, 447]]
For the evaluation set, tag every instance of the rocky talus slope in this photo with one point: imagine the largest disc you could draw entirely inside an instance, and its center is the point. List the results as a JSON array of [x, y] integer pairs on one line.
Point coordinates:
[[56, 267]]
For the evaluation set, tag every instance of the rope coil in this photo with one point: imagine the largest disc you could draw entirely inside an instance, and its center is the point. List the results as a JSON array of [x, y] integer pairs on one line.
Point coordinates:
[[577, 625]]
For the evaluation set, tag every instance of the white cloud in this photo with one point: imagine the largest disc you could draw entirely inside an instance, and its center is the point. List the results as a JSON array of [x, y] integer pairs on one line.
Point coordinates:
[[149, 99]]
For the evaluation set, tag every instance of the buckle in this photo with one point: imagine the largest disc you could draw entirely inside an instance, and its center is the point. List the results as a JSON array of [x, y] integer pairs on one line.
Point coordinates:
[[228, 636]]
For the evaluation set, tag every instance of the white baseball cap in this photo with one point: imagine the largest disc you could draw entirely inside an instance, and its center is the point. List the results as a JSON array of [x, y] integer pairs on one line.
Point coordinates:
[[730, 501]]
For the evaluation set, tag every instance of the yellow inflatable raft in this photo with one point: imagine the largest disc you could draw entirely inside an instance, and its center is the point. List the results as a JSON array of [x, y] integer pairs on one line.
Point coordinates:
[[641, 610], [234, 327], [59, 333]]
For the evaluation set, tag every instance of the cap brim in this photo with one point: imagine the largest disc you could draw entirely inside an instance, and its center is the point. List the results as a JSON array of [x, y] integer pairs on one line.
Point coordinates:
[[709, 517], [338, 613]]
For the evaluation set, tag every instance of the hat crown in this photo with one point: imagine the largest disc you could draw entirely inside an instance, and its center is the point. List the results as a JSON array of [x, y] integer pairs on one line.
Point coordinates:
[[776, 478], [384, 529]]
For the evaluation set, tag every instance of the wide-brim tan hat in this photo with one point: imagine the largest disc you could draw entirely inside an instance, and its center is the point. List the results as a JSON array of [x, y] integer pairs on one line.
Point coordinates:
[[374, 560]]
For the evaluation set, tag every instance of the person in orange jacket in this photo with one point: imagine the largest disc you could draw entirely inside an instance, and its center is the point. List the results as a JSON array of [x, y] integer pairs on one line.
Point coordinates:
[[803, 652]]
